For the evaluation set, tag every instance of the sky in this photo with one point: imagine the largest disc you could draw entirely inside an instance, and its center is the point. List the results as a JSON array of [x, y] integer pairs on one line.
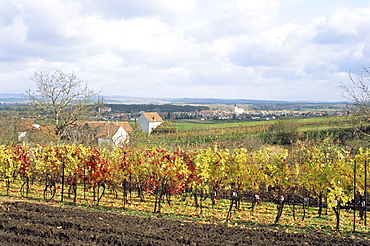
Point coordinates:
[[289, 50]]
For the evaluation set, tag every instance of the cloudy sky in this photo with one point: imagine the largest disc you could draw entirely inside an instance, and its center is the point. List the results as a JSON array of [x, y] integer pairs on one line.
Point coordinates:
[[242, 49]]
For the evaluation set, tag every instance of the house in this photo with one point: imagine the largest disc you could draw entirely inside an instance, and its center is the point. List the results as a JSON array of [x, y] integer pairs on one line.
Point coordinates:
[[149, 121], [98, 132], [125, 125], [29, 131], [104, 109], [116, 133], [24, 126], [112, 135]]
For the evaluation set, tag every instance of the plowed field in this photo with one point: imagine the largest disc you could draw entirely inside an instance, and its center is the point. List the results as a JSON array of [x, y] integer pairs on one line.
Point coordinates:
[[27, 223]]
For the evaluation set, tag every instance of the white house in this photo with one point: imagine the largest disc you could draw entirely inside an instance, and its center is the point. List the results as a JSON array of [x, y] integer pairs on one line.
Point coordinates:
[[238, 110], [115, 134], [149, 121]]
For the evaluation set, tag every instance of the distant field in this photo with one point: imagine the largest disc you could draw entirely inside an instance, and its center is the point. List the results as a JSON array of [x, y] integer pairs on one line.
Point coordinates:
[[207, 124], [191, 133], [321, 123], [308, 123]]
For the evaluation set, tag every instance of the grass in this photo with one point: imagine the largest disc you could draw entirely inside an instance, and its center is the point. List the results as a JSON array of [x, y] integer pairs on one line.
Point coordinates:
[[262, 217]]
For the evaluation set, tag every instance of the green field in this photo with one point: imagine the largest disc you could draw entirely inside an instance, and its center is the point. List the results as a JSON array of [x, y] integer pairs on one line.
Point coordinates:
[[321, 122], [206, 124], [192, 133]]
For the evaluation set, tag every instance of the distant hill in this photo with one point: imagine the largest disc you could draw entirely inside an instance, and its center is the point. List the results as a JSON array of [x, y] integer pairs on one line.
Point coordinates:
[[133, 100], [134, 108], [11, 98], [137, 100], [220, 100], [14, 98]]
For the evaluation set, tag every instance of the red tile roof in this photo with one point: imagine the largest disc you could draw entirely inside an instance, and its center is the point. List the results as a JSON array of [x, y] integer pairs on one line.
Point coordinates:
[[24, 125], [125, 125], [153, 117], [107, 131]]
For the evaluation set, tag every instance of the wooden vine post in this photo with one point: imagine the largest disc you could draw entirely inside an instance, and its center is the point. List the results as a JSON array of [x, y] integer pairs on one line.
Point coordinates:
[[63, 167], [365, 202], [354, 194]]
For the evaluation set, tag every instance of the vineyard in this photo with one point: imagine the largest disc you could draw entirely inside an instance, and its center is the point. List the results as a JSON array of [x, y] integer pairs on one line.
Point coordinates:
[[322, 177], [190, 134]]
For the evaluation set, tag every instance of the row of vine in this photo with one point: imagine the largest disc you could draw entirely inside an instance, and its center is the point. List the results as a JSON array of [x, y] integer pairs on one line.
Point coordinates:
[[323, 172]]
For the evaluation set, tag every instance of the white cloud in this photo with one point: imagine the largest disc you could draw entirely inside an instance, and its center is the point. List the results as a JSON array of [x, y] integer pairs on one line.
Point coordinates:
[[283, 50], [350, 21], [15, 32]]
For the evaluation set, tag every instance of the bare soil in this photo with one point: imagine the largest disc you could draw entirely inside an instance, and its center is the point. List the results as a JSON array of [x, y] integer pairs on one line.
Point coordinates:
[[27, 223]]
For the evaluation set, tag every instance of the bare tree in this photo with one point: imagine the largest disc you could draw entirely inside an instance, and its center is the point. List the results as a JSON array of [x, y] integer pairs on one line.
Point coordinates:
[[358, 101], [62, 97]]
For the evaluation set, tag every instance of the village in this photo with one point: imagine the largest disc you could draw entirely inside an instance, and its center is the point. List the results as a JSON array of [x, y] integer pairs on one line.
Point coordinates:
[[115, 128], [102, 133], [237, 113]]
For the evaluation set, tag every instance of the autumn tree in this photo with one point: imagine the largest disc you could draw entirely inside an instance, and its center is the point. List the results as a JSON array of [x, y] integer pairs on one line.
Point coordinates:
[[8, 129], [63, 98]]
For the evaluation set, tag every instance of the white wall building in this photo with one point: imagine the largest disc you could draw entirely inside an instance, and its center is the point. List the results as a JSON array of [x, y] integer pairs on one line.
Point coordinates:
[[112, 134], [238, 110], [149, 121]]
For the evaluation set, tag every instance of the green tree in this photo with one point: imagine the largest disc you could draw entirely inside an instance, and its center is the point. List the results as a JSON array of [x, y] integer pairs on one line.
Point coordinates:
[[283, 132]]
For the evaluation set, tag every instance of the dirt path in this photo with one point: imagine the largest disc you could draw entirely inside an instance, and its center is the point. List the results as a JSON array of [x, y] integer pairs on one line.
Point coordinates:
[[25, 223]]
